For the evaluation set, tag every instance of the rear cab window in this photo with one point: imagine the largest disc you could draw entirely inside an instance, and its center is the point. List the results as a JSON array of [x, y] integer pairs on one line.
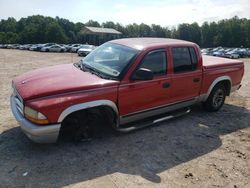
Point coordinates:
[[184, 59]]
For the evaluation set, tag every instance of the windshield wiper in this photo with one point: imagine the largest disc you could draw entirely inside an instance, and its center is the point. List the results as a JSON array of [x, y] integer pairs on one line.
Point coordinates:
[[85, 67], [77, 65]]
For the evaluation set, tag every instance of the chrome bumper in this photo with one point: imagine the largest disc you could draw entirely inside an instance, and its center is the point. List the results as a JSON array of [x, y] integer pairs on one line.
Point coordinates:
[[37, 133]]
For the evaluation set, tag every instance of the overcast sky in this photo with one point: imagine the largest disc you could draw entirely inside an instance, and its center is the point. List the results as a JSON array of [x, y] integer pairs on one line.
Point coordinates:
[[163, 12]]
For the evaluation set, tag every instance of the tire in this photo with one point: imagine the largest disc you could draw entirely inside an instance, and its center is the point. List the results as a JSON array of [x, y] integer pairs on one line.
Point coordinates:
[[47, 50], [216, 98], [78, 127]]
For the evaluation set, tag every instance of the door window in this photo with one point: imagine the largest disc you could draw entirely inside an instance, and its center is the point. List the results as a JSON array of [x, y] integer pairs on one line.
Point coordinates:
[[156, 62], [184, 59]]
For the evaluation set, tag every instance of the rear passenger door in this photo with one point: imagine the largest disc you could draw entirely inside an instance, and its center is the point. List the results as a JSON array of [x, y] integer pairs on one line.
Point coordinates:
[[187, 74]]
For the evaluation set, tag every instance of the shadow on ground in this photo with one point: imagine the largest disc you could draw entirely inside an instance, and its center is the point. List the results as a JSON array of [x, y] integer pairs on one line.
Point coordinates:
[[145, 153]]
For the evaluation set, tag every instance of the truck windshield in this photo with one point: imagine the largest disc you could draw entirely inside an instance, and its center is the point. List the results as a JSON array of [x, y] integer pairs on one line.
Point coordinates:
[[109, 59]]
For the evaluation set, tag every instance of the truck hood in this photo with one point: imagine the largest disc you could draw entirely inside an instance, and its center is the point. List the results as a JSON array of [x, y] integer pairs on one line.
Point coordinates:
[[57, 80]]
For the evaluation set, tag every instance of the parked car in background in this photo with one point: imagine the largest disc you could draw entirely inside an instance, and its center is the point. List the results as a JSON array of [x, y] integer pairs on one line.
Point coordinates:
[[47, 45], [53, 48], [243, 52], [226, 52], [75, 48], [85, 49], [68, 47], [206, 51], [25, 46], [232, 54], [219, 53], [5, 46], [36, 47], [13, 46]]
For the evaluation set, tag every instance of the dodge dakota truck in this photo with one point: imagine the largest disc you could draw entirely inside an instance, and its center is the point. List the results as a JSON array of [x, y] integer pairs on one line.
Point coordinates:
[[125, 83]]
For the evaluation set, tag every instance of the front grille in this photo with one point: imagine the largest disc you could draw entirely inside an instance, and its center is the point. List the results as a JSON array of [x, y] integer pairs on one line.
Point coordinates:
[[18, 101]]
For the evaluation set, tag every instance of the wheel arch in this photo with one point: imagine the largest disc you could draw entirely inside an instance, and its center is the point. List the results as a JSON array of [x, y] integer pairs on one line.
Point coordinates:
[[226, 80], [90, 105]]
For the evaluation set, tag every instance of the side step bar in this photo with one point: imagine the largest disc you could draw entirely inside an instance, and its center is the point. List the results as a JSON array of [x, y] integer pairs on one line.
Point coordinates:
[[153, 120]]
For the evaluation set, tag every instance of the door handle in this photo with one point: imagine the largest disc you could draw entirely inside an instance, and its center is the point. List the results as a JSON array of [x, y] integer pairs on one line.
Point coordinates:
[[196, 80], [166, 85]]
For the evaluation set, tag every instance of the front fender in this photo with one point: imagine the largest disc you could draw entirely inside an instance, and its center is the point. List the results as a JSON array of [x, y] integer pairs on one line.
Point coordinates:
[[88, 105]]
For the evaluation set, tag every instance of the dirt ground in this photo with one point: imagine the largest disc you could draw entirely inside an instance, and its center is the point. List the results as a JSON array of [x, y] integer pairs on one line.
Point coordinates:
[[200, 149]]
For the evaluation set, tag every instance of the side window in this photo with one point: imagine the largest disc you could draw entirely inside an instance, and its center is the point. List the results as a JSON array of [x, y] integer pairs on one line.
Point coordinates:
[[156, 62], [184, 59]]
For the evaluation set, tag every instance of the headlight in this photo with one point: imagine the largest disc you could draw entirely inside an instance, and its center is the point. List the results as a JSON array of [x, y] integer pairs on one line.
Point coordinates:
[[35, 116]]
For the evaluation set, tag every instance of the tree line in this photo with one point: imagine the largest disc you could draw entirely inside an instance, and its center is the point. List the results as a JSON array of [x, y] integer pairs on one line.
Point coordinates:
[[234, 32]]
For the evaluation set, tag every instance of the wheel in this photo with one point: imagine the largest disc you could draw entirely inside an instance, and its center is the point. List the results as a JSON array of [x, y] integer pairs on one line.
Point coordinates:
[[216, 98], [47, 50], [61, 50], [78, 127]]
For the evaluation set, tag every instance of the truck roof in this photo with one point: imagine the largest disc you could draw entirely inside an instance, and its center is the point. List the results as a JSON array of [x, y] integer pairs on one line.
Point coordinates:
[[142, 43]]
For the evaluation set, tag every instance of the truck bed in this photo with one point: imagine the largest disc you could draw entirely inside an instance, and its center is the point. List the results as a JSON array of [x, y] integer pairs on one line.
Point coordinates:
[[216, 62], [215, 67]]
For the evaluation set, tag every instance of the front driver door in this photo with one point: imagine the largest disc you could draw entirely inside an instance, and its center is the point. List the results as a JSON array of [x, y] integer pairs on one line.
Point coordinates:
[[138, 97]]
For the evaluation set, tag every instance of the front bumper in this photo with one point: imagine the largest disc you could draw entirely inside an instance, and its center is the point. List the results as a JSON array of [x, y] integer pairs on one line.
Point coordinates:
[[37, 133]]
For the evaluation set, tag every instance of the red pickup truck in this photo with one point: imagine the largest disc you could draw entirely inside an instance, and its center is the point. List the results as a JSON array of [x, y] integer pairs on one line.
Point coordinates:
[[126, 83]]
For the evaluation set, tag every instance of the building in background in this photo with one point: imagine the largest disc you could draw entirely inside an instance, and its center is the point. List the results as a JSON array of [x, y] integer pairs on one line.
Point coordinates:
[[98, 35]]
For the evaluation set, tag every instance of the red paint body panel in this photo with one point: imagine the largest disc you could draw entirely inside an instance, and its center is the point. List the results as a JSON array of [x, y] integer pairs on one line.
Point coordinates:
[[51, 90], [183, 87], [225, 67], [140, 95], [53, 106], [56, 80]]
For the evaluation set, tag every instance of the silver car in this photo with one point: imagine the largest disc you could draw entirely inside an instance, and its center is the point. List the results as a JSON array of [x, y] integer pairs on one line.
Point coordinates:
[[85, 50], [53, 48]]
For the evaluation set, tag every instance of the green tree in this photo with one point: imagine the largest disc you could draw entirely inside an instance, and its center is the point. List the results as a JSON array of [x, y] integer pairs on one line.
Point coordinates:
[[40, 29], [54, 33]]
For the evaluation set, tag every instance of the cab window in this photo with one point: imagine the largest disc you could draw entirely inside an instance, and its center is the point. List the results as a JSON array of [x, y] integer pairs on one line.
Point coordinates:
[[184, 59], [156, 62]]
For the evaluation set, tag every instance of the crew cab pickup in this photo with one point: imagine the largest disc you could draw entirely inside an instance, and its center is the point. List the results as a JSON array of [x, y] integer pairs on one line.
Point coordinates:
[[126, 83]]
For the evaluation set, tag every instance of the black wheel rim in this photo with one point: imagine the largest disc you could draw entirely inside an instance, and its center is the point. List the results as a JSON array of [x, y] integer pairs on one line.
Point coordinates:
[[218, 98]]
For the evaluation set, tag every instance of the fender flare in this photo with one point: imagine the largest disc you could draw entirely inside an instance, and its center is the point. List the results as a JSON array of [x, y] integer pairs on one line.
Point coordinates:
[[216, 81], [87, 105]]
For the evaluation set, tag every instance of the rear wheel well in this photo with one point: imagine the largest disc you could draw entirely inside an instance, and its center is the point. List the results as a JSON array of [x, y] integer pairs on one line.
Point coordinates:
[[226, 84]]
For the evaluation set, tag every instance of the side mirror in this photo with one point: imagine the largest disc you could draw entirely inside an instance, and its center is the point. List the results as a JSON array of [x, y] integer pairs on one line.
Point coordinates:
[[143, 74]]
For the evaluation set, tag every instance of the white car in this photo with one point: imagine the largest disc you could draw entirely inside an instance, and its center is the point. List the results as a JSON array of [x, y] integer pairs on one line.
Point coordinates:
[[85, 50], [232, 55], [53, 48], [75, 47]]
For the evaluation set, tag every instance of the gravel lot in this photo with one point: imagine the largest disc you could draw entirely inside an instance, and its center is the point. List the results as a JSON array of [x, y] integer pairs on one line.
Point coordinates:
[[197, 150]]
